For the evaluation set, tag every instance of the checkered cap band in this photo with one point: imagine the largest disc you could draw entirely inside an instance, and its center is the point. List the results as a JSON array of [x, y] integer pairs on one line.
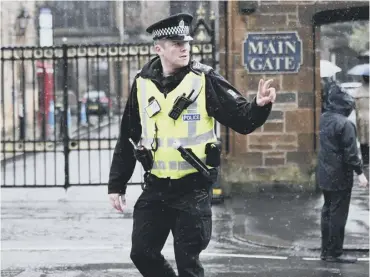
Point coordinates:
[[170, 31]]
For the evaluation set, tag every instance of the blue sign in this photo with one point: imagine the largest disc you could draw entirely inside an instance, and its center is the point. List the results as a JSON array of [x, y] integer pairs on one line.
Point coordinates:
[[191, 117], [272, 52]]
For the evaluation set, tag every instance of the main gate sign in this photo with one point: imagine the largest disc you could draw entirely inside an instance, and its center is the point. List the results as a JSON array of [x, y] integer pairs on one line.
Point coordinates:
[[61, 109], [272, 52]]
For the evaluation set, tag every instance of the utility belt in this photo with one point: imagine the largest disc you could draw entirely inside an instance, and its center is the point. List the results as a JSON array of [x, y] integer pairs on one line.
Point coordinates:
[[213, 157], [192, 180]]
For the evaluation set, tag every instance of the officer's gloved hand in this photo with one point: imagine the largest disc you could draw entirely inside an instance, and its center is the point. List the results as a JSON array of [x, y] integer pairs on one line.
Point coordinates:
[[118, 201]]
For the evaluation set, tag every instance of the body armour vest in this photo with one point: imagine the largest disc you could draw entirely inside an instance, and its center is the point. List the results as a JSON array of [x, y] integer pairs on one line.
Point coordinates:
[[193, 129]]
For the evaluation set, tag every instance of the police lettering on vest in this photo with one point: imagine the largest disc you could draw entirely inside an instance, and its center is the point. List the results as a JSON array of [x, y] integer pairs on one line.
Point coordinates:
[[193, 129], [190, 117]]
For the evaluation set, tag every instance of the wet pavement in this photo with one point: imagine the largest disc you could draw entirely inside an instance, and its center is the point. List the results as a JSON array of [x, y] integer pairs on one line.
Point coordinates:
[[50, 232], [214, 267], [292, 221]]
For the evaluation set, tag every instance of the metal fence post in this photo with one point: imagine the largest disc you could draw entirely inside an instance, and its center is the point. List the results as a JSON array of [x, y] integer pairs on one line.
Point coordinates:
[[65, 117]]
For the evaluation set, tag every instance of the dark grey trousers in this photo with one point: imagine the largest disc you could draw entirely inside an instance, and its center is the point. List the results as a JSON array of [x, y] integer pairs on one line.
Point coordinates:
[[333, 221]]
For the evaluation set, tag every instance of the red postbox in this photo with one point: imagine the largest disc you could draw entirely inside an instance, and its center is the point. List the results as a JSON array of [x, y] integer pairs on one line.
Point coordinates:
[[45, 81]]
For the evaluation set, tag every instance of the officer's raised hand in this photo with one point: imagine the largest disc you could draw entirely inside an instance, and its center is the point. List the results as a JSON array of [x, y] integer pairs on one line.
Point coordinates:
[[265, 94], [118, 201]]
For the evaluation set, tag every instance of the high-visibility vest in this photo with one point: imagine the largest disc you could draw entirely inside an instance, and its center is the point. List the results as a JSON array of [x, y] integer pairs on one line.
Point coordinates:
[[193, 129]]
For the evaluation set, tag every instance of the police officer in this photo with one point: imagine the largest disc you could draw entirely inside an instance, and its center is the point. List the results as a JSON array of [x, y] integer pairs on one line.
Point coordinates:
[[174, 101]]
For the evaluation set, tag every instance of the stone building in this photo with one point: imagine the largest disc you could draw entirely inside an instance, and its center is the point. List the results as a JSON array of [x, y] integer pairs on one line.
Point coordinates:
[[17, 86], [282, 152]]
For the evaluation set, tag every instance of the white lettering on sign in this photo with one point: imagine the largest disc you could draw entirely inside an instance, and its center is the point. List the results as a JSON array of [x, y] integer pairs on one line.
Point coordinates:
[[255, 49], [282, 48], [272, 52], [271, 63], [289, 63]]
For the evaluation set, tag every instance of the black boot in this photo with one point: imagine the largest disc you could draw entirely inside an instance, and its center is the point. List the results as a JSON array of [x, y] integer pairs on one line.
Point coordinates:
[[340, 259]]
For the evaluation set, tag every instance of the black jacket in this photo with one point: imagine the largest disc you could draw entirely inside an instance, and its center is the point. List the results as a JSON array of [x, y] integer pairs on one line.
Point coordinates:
[[223, 101], [338, 154]]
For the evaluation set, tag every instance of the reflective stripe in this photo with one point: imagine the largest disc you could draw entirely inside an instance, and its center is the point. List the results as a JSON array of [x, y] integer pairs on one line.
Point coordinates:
[[184, 141], [191, 141], [192, 125], [196, 86], [159, 165], [183, 165], [148, 141], [143, 103], [193, 108]]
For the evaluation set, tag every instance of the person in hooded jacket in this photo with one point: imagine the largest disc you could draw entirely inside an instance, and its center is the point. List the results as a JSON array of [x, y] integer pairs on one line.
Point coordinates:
[[338, 157]]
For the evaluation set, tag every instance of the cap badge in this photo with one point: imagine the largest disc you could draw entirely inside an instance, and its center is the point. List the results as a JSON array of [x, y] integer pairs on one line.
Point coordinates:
[[182, 24]]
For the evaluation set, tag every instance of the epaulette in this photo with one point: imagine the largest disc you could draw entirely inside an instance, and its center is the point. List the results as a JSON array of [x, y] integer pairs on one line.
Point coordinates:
[[199, 67]]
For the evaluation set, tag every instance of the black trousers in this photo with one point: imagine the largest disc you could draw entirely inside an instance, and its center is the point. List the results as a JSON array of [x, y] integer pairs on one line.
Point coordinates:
[[186, 214], [333, 221], [365, 153]]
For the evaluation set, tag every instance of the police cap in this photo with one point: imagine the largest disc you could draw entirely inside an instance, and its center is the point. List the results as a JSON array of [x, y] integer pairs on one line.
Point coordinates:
[[175, 27]]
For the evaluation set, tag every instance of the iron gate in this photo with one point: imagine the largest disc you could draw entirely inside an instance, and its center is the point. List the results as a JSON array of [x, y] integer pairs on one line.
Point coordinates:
[[61, 108]]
